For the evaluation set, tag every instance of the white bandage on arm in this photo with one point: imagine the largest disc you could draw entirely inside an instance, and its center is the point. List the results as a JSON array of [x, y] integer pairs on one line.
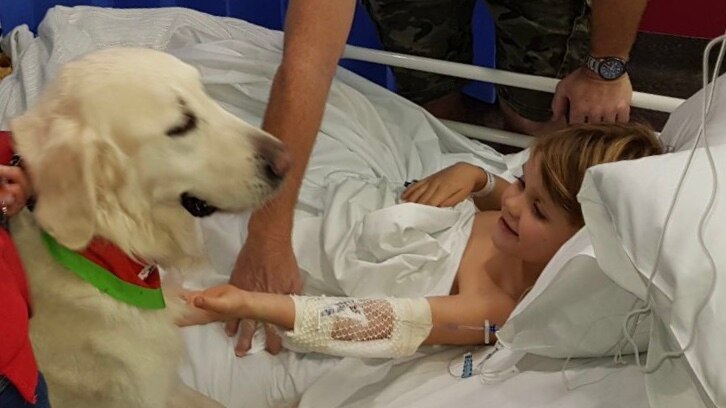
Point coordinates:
[[355, 327]]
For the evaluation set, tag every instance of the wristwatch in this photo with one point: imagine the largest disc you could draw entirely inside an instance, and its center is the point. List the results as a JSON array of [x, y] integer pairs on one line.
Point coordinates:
[[608, 68]]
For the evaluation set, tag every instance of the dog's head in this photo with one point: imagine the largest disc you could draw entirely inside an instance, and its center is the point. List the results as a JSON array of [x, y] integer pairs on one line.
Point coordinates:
[[126, 145]]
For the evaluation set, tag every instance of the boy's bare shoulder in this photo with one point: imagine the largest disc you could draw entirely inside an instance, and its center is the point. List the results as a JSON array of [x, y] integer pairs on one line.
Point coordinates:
[[484, 224]]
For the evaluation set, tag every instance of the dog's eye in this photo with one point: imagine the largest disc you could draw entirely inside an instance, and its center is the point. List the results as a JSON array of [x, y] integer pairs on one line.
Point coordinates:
[[190, 123]]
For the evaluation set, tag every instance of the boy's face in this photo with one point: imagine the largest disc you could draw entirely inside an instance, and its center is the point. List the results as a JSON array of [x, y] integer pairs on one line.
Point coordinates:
[[532, 227]]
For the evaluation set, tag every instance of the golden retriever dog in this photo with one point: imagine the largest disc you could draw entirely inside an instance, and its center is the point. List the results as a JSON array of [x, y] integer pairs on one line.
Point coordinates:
[[125, 147]]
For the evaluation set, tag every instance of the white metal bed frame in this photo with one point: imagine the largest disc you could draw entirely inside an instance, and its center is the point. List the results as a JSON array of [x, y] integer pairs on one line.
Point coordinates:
[[640, 100]]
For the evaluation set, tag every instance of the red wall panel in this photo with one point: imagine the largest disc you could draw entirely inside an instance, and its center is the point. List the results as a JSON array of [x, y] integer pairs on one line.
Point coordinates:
[[693, 18]]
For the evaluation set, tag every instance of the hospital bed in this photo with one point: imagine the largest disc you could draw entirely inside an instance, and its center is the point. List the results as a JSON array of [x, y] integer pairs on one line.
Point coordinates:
[[371, 141]]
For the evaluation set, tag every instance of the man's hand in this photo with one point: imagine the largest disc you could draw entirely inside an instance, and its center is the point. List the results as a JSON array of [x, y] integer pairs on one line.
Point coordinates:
[[266, 263], [591, 99]]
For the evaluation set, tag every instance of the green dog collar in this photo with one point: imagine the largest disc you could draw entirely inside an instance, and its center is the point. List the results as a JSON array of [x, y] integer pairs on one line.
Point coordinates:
[[104, 280]]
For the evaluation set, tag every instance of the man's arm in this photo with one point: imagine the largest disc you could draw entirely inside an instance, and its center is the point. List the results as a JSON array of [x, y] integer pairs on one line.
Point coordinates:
[[315, 34], [590, 98], [614, 26]]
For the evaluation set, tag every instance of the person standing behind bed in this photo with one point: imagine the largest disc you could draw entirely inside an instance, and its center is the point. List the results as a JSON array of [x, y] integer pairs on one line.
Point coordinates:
[[553, 38], [21, 385], [519, 229], [315, 34]]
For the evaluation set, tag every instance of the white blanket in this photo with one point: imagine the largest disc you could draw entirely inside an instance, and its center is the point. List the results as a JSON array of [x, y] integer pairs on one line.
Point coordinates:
[[350, 236]]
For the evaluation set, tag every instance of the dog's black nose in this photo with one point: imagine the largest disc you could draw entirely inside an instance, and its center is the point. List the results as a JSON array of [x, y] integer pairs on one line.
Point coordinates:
[[271, 172], [277, 161], [281, 164]]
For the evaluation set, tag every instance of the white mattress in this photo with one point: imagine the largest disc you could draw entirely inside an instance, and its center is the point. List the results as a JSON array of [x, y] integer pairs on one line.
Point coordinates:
[[370, 137]]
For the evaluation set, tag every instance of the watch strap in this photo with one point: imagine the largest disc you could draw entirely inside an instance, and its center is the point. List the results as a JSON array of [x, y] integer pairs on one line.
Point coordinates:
[[594, 65]]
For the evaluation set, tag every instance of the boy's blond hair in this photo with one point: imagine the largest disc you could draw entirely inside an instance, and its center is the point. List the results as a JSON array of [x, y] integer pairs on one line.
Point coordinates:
[[566, 154]]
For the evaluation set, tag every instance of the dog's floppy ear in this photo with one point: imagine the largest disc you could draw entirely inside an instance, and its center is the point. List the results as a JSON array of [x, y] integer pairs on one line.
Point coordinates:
[[57, 151]]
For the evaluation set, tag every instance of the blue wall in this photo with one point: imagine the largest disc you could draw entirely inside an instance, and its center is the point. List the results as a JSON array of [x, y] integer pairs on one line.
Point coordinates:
[[270, 14]]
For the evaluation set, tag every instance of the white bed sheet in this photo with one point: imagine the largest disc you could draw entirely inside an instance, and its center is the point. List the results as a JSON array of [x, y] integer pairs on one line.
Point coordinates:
[[423, 382], [371, 141]]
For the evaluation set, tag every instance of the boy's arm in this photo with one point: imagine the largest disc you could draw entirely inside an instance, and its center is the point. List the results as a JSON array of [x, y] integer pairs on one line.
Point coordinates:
[[227, 302], [271, 308], [460, 319], [456, 319], [450, 186]]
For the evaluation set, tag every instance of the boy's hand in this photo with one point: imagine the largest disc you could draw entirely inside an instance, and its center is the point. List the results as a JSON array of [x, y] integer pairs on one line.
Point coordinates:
[[194, 316], [219, 303], [14, 189], [447, 187]]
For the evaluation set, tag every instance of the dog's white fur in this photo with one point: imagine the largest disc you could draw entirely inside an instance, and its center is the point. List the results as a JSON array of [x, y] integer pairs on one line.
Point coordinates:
[[102, 162]]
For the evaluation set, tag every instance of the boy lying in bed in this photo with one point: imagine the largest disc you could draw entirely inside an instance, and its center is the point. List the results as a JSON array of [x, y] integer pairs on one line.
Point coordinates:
[[519, 229]]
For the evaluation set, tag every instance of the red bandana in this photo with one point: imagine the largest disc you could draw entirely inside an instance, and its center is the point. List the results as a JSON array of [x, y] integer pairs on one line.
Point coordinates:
[[111, 258]]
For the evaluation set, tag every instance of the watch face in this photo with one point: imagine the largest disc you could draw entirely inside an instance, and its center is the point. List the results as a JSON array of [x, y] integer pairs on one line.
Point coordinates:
[[612, 68]]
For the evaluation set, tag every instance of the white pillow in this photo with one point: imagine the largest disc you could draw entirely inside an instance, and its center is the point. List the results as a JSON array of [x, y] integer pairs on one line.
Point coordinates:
[[625, 206], [573, 310], [682, 127]]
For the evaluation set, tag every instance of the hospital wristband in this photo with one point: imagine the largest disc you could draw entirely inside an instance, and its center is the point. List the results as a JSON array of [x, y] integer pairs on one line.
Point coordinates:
[[488, 187]]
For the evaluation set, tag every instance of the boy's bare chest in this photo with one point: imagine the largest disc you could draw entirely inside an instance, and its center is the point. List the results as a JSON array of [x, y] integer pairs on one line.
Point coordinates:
[[484, 269]]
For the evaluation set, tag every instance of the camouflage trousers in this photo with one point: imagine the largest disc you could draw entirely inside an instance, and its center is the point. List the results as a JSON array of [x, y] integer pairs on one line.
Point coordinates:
[[539, 37]]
